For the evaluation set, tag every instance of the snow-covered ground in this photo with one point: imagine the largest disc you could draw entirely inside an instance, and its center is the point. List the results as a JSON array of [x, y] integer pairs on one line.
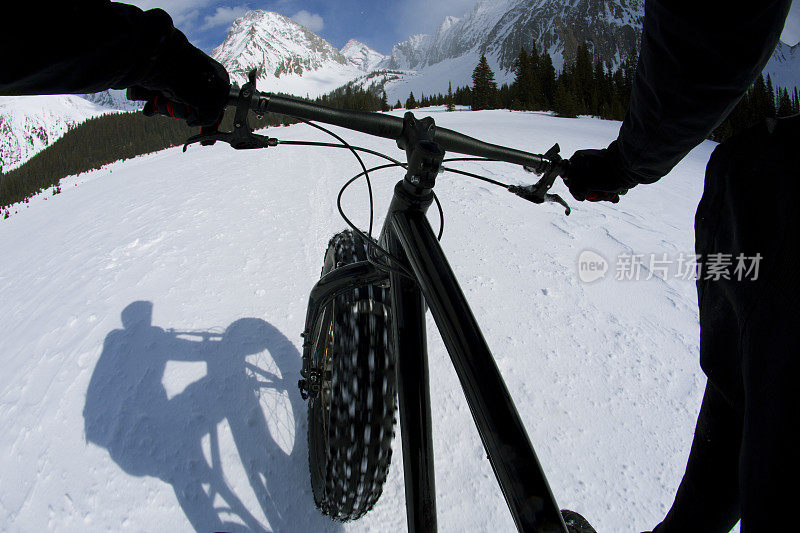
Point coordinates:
[[142, 429], [28, 124]]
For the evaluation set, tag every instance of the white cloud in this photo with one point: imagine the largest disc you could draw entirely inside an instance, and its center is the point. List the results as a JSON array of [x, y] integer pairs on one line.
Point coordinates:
[[223, 16], [186, 20], [791, 32], [312, 21], [173, 6], [183, 12]]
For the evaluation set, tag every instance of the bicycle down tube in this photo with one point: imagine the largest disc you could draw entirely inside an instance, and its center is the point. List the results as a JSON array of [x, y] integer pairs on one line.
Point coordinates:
[[510, 452]]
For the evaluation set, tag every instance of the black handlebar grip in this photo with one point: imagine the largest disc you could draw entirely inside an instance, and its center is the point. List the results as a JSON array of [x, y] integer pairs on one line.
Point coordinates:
[[157, 104]]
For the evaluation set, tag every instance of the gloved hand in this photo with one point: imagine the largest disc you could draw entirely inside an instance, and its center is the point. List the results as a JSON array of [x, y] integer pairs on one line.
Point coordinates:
[[185, 83], [598, 175]]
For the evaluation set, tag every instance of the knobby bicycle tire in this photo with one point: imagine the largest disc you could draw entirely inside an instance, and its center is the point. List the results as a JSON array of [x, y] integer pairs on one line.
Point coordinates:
[[351, 421]]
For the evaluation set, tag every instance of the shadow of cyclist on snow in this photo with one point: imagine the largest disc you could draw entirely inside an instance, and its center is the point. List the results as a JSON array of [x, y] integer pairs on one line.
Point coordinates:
[[147, 433]]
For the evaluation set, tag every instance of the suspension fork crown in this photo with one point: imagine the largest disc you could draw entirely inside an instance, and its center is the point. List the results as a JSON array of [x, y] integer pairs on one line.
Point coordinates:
[[423, 154]]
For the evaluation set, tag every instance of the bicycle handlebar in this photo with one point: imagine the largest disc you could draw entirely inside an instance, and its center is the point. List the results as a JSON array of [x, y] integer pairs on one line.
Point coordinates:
[[388, 127], [549, 165]]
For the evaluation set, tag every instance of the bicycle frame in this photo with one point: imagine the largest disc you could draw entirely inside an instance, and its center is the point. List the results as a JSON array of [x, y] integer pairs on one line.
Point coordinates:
[[407, 235], [409, 239]]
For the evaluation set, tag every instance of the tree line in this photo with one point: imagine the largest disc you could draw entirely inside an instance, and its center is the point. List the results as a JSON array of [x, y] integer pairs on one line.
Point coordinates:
[[761, 101], [586, 87], [114, 137], [583, 87], [96, 142]]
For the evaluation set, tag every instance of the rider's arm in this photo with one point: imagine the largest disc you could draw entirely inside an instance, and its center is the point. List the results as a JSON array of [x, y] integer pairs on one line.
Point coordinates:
[[697, 60], [93, 45]]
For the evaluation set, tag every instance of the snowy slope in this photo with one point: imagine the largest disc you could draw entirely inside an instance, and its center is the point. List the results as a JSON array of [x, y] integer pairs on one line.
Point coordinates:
[[28, 124], [138, 429], [287, 56]]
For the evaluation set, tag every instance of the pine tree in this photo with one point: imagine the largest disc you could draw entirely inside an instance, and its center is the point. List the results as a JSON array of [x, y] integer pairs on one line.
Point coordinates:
[[536, 89], [601, 96], [451, 106], [565, 102], [463, 96], [484, 88], [522, 86], [411, 103], [583, 82], [503, 98], [398, 105], [547, 81], [760, 100], [384, 102], [785, 107], [771, 96]]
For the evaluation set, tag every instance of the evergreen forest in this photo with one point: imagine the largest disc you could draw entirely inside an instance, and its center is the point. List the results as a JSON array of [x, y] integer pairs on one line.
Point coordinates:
[[583, 87]]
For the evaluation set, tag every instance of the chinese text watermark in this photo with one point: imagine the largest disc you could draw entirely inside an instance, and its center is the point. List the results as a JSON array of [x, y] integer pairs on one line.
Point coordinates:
[[690, 267]]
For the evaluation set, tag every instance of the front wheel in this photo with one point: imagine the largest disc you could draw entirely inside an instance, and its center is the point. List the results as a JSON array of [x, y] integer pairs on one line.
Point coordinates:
[[351, 419]]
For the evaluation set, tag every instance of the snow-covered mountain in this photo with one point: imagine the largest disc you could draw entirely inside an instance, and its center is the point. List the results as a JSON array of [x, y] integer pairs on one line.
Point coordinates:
[[784, 66], [28, 124], [499, 29], [286, 56], [290, 58], [362, 56]]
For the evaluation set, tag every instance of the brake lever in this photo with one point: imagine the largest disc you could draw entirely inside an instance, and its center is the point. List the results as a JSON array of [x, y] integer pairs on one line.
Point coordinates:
[[238, 141], [242, 136], [531, 194], [552, 167]]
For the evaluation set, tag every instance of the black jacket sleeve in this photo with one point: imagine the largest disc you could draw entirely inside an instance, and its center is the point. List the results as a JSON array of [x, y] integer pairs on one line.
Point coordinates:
[[697, 60], [81, 47]]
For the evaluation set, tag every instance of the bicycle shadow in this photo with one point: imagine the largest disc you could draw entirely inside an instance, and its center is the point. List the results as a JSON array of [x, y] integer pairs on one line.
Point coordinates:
[[147, 433]]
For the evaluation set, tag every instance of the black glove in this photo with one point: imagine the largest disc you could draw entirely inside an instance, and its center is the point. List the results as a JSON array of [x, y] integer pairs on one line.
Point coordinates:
[[598, 175], [195, 85]]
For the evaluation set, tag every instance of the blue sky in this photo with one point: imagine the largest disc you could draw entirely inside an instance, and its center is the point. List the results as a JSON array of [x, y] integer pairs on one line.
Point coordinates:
[[379, 23]]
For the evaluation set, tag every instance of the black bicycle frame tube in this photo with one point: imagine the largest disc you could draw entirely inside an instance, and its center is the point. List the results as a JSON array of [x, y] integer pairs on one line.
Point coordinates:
[[414, 401], [510, 452]]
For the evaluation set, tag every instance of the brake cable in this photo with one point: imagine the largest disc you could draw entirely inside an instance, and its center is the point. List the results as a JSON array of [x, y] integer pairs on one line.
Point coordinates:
[[367, 238], [360, 161]]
